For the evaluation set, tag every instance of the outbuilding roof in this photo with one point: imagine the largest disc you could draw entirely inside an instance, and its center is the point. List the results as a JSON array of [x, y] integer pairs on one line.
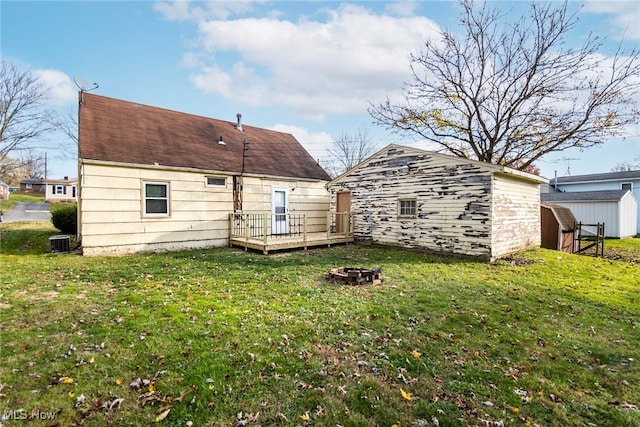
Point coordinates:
[[585, 196], [565, 218], [492, 168], [120, 131]]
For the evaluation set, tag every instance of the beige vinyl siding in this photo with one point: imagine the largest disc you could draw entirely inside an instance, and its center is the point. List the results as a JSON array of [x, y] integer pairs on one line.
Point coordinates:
[[309, 198], [516, 215], [112, 220]]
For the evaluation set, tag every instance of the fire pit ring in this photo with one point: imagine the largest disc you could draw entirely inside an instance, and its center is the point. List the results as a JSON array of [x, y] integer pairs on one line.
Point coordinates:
[[355, 276]]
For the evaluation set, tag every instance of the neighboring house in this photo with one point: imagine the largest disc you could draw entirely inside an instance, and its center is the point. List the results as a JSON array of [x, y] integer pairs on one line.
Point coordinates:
[[617, 209], [35, 185], [4, 190], [415, 198], [558, 227], [61, 190], [152, 179], [626, 180]]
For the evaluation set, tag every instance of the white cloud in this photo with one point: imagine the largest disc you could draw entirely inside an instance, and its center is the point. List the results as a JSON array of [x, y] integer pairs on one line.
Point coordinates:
[[403, 7], [60, 88], [317, 67], [316, 143], [183, 10], [625, 16]]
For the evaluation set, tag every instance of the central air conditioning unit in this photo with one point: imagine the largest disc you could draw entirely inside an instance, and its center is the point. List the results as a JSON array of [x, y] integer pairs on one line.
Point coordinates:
[[59, 243]]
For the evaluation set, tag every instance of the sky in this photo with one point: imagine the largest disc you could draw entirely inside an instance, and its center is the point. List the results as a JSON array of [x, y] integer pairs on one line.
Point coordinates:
[[309, 68]]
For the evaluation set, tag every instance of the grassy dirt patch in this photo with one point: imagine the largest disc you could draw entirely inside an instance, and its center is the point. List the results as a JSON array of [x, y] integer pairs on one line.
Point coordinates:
[[227, 337], [623, 249]]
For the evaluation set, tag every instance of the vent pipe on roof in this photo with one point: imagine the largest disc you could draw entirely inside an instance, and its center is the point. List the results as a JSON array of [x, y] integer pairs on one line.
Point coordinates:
[[239, 125]]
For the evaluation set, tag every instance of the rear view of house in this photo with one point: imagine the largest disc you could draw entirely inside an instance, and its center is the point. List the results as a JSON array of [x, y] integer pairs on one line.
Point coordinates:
[[415, 198], [152, 179]]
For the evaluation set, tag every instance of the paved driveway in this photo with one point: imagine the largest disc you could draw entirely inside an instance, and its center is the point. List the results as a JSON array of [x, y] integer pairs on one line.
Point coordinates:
[[28, 211]]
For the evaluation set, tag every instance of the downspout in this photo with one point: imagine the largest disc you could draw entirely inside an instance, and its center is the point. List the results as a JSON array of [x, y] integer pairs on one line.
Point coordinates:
[[239, 182]]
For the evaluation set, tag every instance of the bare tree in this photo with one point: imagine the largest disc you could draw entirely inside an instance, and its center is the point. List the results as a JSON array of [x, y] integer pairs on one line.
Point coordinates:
[[23, 114], [67, 124], [33, 165], [510, 91], [349, 150], [30, 165], [629, 165]]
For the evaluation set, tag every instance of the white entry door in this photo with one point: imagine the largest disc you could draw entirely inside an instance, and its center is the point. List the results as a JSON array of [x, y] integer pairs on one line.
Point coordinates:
[[279, 209]]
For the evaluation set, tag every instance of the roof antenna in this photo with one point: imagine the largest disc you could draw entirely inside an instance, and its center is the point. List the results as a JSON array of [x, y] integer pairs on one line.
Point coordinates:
[[239, 125], [568, 160], [83, 85]]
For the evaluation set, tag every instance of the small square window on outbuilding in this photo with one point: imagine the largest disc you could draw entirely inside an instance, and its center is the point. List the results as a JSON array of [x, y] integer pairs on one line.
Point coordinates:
[[216, 181], [407, 208]]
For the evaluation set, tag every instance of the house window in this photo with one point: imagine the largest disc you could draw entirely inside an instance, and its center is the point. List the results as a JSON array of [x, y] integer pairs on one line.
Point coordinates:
[[216, 181], [28, 186], [627, 186], [407, 208], [58, 189], [156, 198]]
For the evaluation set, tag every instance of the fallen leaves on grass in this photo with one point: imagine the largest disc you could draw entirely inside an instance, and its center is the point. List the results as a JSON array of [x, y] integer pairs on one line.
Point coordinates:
[[405, 395], [162, 415], [244, 419]]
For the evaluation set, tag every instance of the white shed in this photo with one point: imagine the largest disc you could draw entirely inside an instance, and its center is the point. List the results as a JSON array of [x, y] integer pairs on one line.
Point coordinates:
[[617, 209], [415, 198]]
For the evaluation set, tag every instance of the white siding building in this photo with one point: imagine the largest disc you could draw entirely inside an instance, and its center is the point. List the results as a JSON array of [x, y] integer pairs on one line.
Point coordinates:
[[625, 180], [617, 209], [61, 190]]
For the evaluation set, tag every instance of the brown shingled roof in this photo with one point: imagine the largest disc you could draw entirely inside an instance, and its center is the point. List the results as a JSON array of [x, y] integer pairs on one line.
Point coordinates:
[[122, 131], [566, 220]]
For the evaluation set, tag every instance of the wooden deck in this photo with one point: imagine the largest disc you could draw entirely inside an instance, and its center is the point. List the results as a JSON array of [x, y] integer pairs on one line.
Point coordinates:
[[248, 230]]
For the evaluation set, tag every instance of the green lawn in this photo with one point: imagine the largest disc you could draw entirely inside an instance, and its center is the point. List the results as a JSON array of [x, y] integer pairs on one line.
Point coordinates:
[[227, 337]]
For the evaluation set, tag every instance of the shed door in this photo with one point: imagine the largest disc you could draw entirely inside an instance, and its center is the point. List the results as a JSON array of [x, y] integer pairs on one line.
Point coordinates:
[[343, 207], [279, 210]]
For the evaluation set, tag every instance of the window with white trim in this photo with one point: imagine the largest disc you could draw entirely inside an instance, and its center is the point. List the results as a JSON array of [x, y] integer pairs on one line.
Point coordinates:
[[216, 181], [59, 189], [156, 198], [407, 208], [626, 186]]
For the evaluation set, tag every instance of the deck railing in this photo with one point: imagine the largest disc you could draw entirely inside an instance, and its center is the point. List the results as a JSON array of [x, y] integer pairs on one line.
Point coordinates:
[[268, 226]]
